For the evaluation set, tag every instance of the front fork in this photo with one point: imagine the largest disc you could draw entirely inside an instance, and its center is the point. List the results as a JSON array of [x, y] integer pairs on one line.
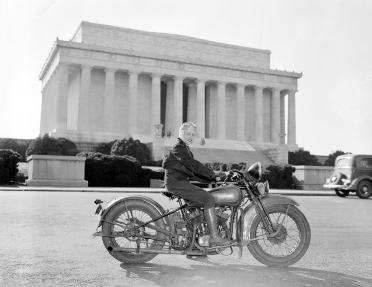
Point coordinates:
[[266, 220]]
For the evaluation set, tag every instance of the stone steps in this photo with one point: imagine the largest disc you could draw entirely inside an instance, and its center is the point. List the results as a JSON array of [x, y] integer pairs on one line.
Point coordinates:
[[231, 156]]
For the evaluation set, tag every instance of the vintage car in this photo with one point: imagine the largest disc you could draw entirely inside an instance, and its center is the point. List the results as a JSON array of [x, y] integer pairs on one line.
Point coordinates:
[[353, 173]]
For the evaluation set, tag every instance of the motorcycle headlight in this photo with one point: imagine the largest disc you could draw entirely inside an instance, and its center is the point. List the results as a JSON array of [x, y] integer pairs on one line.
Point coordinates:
[[267, 188], [261, 188]]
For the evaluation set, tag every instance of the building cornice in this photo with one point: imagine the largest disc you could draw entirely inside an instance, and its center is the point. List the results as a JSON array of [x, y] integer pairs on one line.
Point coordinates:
[[96, 48]]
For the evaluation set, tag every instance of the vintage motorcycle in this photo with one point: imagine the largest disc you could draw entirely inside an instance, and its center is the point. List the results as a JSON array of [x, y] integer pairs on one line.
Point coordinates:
[[135, 229]]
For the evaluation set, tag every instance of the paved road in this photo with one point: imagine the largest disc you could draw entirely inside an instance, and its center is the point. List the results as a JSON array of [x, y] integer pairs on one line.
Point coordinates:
[[46, 241]]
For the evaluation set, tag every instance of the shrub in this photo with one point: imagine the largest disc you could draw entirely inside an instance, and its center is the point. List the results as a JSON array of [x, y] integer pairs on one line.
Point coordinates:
[[214, 165], [8, 165], [19, 146], [302, 157], [104, 148], [111, 171], [44, 145], [146, 174], [67, 147], [280, 177], [132, 148]]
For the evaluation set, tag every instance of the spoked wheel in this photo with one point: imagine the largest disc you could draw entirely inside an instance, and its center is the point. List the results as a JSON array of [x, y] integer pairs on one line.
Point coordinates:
[[342, 193], [288, 245], [121, 222]]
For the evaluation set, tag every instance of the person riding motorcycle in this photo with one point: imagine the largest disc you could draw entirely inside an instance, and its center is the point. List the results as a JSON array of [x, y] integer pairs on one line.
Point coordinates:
[[180, 167]]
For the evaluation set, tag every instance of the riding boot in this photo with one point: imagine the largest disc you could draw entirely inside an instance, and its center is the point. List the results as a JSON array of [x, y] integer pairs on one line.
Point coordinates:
[[211, 218]]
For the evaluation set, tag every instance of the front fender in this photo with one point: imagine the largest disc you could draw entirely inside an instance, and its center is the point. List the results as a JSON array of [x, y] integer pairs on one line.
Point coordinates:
[[249, 212], [149, 200]]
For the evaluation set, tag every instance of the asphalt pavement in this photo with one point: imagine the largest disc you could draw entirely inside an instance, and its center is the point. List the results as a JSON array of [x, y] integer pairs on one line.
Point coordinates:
[[47, 241]]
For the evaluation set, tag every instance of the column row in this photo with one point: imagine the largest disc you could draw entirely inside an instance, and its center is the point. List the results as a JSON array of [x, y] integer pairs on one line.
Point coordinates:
[[196, 110]]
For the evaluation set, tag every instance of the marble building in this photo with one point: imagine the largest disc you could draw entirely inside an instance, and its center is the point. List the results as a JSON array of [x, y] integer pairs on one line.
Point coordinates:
[[108, 83]]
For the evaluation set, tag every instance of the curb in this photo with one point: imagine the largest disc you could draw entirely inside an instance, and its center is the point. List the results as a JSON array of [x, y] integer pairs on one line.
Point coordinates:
[[150, 190]]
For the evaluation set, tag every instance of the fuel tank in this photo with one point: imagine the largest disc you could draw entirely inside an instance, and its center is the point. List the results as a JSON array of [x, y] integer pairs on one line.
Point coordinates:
[[228, 195]]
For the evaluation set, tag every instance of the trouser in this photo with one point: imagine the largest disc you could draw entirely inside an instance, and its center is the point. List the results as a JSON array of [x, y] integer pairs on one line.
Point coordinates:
[[191, 192]]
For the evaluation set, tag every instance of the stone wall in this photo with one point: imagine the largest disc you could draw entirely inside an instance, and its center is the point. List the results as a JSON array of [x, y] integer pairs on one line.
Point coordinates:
[[56, 171], [312, 177]]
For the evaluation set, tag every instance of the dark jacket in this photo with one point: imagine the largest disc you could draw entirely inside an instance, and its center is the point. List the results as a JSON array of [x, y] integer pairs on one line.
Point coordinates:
[[179, 165]]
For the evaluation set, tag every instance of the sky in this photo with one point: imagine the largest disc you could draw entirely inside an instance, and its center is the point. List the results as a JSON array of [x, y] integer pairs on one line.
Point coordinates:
[[329, 41]]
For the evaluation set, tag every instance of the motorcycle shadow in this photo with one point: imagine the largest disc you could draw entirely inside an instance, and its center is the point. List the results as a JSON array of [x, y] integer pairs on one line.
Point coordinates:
[[180, 271]]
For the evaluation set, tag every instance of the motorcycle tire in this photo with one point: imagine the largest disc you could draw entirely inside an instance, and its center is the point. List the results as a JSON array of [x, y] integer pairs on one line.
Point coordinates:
[[289, 245], [120, 214]]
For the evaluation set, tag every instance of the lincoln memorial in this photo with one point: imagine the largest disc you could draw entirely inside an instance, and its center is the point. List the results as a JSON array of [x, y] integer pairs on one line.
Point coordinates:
[[109, 83]]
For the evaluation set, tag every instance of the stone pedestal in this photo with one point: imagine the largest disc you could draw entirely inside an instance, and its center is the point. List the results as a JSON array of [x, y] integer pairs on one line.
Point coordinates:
[[56, 171]]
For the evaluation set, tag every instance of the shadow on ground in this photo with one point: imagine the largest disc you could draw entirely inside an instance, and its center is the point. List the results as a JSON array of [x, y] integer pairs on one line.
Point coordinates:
[[209, 272]]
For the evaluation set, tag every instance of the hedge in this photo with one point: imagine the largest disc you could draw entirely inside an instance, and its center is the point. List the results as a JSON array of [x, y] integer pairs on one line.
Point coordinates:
[[280, 177], [116, 171], [8, 165]]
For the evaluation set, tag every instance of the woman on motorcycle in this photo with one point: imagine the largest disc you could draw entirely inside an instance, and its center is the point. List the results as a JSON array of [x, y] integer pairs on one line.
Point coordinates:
[[180, 166]]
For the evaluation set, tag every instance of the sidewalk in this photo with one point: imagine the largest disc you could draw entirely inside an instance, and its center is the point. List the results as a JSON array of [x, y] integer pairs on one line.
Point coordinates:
[[292, 192]]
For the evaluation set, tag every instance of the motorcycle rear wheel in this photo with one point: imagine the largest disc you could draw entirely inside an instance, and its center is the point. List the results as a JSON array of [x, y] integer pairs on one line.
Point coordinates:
[[289, 245], [115, 222]]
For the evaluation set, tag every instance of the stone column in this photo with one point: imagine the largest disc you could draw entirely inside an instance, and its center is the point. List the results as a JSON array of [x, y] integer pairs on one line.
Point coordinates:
[[62, 91], [155, 102], [275, 116], [44, 107], [291, 118], [177, 105], [221, 110], [191, 103], [109, 99], [133, 102], [240, 109], [282, 118], [200, 108], [169, 107], [84, 99], [258, 114]]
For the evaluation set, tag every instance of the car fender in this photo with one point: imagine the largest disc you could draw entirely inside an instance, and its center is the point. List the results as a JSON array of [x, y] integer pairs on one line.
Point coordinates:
[[249, 213], [149, 200], [354, 184]]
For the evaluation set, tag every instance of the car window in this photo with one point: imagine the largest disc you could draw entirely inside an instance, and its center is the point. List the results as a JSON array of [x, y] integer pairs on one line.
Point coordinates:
[[366, 163], [342, 161]]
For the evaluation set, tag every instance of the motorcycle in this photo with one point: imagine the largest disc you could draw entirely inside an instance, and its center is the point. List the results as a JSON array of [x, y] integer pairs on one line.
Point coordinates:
[[135, 229]]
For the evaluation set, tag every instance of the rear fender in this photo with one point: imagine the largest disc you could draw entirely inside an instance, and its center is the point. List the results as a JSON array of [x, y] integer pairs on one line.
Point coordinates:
[[149, 200], [249, 212]]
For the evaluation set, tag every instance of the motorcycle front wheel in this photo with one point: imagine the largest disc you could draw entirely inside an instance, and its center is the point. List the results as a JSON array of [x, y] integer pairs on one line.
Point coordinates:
[[291, 242], [123, 217]]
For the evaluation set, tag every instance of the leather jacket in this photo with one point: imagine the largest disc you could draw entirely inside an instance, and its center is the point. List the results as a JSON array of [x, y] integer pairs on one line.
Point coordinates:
[[179, 165]]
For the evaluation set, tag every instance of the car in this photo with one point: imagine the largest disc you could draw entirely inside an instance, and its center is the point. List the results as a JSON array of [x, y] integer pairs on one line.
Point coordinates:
[[352, 173]]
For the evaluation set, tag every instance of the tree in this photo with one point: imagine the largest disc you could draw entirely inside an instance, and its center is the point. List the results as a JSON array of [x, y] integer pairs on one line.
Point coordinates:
[[302, 157], [330, 161]]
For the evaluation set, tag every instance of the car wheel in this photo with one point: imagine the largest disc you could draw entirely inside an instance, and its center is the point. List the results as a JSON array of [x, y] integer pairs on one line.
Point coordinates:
[[342, 193], [364, 190]]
